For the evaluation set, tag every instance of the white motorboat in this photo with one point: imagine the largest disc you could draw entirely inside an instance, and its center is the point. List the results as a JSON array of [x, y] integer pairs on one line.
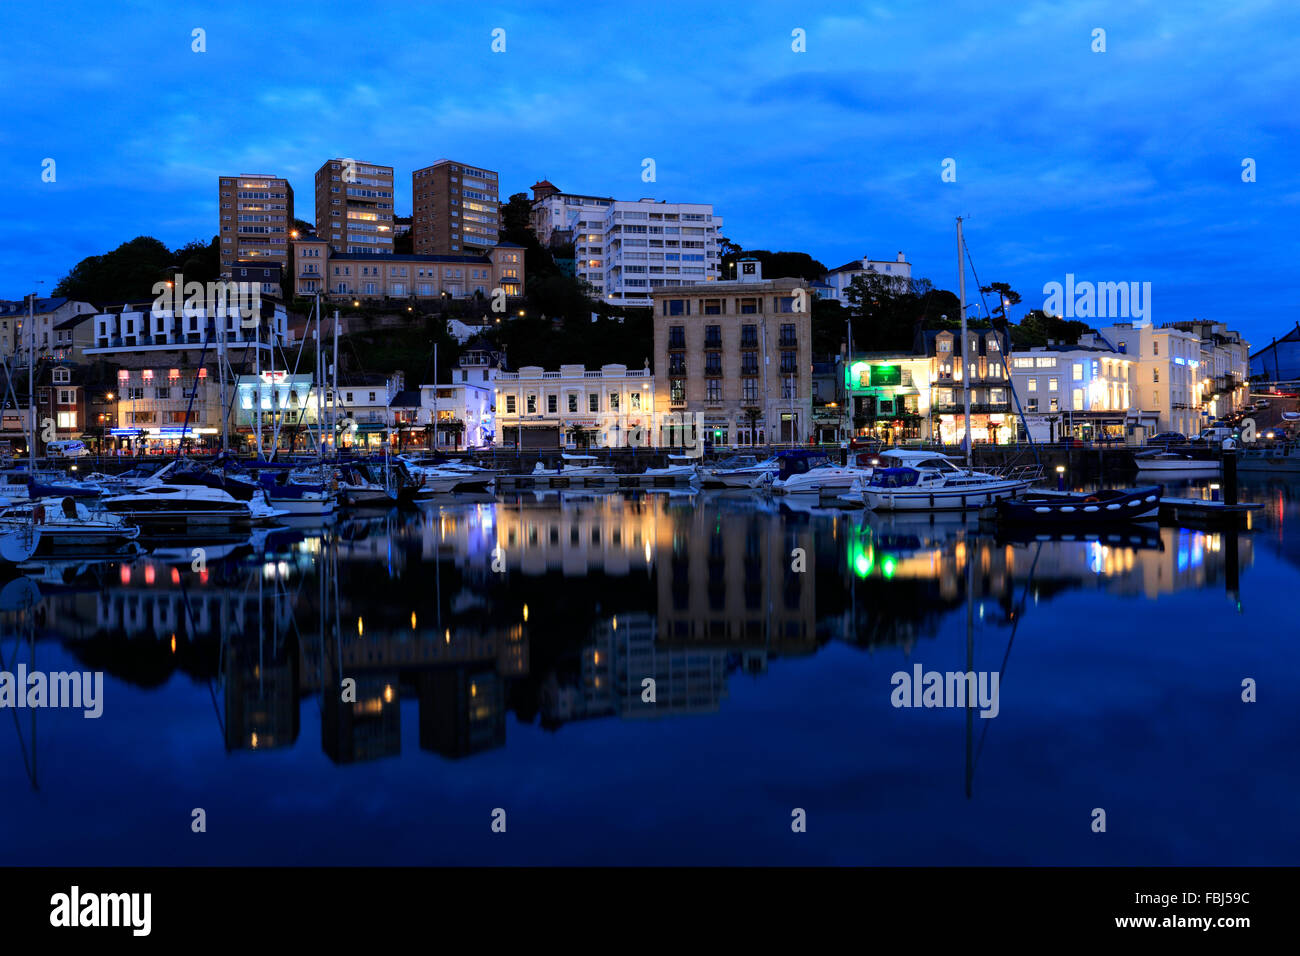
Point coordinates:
[[1172, 463], [166, 506], [574, 466], [681, 469], [66, 525], [447, 476], [909, 480], [816, 473], [740, 471]]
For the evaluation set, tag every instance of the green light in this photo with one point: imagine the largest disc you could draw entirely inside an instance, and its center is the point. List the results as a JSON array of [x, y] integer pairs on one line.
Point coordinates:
[[888, 567]]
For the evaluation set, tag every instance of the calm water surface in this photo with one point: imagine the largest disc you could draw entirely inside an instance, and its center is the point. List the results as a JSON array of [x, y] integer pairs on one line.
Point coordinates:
[[499, 647]]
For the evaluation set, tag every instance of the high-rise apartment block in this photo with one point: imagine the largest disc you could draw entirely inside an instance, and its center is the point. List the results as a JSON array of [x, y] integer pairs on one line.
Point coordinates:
[[626, 250], [456, 208], [255, 216], [354, 206]]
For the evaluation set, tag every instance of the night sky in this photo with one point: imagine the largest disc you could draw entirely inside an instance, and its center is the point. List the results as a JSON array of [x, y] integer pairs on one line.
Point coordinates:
[[1123, 165]]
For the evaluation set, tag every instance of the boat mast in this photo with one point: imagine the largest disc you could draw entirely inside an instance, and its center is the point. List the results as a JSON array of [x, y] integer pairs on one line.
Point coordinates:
[[31, 378], [334, 402], [965, 363]]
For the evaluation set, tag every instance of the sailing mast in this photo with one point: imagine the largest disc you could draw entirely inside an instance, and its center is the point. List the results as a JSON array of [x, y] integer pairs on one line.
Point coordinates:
[[965, 354], [31, 378]]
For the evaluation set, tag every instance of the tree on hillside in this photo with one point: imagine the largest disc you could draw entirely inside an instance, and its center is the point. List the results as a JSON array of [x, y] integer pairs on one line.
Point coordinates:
[[1037, 327], [128, 272], [199, 261]]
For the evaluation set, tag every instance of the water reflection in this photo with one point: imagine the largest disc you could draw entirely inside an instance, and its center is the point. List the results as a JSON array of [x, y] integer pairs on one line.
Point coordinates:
[[559, 607]]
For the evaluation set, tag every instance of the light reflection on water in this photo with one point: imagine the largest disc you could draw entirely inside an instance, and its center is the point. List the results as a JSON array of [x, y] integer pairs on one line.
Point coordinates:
[[499, 649]]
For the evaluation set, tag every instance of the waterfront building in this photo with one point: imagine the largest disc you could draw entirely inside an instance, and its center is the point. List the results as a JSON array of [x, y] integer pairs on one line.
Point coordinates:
[[611, 407], [267, 276], [456, 209], [1167, 377], [737, 354], [1224, 370], [833, 285], [888, 396], [354, 206], [255, 213], [369, 276], [169, 371], [1083, 391], [990, 395], [628, 250]]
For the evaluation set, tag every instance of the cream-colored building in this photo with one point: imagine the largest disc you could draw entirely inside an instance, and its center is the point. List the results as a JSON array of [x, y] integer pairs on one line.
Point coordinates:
[[456, 208], [990, 394], [1167, 379], [611, 407], [1086, 392], [737, 357], [369, 276]]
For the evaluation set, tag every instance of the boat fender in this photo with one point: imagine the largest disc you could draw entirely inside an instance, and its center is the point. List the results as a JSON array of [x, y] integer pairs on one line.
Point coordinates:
[[38, 514]]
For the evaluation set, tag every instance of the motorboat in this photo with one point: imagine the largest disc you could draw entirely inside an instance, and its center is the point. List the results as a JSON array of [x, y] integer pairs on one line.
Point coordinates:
[[908, 480], [1106, 507], [681, 469], [446, 476], [358, 488], [181, 506], [1174, 463], [67, 525], [300, 497], [1274, 459], [740, 471], [816, 473], [574, 466]]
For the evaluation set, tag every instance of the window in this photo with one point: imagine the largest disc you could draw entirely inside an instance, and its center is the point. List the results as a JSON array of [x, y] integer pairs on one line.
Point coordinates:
[[510, 404], [1155, 375], [713, 363], [1053, 384], [788, 366], [62, 376], [787, 336], [1078, 371], [715, 390], [677, 337], [635, 401], [749, 336], [593, 402], [1155, 345], [613, 402], [713, 336], [676, 307], [749, 363], [67, 396], [677, 391], [677, 364], [1031, 405], [67, 419], [750, 386], [1033, 385], [530, 404], [1056, 405], [1078, 399], [573, 403], [552, 404]]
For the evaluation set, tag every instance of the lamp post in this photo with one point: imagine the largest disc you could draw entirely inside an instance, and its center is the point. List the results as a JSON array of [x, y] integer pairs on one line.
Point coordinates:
[[1060, 477]]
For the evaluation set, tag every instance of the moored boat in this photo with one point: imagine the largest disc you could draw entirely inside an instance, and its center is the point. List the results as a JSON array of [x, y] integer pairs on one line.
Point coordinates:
[[1176, 463], [740, 471], [1105, 507], [928, 481]]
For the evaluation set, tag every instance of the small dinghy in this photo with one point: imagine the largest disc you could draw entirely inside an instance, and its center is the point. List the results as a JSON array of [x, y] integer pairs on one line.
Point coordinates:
[[1097, 508]]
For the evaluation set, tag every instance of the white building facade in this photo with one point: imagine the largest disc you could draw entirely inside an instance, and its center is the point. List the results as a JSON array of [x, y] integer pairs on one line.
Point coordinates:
[[1167, 378], [1085, 392], [837, 281], [608, 408], [627, 249]]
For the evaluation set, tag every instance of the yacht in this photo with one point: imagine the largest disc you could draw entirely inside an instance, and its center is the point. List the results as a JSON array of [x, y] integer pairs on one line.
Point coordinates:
[[909, 480], [740, 471], [816, 473], [574, 466], [1173, 463], [680, 469], [66, 525], [180, 506], [359, 489], [299, 495]]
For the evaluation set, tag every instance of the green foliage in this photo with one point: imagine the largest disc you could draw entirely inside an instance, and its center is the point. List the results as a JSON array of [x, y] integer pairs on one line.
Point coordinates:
[[1037, 327], [776, 265], [127, 273]]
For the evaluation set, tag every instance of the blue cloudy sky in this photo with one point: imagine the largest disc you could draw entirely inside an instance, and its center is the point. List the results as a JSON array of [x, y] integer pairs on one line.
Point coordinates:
[[1117, 166]]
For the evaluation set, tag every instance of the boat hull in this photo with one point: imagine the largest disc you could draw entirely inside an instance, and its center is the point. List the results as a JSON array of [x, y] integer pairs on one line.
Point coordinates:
[[941, 499], [1048, 510]]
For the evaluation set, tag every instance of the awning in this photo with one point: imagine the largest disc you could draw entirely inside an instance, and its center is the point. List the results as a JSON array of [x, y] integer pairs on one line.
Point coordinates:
[[372, 427]]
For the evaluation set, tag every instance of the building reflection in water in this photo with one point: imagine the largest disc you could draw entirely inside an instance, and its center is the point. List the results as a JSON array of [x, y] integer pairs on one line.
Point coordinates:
[[559, 606]]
